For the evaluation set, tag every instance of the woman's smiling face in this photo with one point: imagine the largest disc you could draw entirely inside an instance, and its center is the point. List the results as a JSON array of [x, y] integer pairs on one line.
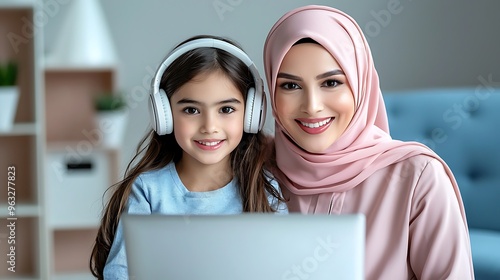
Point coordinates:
[[314, 101]]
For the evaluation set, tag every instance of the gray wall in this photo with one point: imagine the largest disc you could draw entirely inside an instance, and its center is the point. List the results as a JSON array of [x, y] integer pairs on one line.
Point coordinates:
[[415, 44]]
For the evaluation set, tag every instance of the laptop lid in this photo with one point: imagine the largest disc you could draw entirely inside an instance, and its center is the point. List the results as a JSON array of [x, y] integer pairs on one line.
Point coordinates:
[[245, 247]]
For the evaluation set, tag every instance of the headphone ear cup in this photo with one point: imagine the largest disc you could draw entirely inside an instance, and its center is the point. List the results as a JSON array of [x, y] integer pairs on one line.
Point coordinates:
[[253, 112], [161, 113]]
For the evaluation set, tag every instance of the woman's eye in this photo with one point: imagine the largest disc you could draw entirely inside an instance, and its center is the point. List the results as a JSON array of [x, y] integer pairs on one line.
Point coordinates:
[[289, 86], [190, 110], [227, 110], [332, 83]]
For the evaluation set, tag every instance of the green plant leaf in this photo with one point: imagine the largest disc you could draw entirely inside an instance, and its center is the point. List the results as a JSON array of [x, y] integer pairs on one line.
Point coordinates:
[[109, 102], [8, 74]]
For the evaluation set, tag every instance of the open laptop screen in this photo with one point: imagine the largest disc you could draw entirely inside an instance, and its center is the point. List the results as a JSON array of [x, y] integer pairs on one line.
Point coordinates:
[[245, 247]]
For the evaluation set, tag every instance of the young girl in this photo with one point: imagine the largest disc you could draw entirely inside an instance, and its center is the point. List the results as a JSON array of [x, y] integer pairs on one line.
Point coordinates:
[[335, 155], [206, 155]]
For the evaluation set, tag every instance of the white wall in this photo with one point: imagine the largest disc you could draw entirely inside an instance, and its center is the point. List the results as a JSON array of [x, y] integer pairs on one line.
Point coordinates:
[[415, 44]]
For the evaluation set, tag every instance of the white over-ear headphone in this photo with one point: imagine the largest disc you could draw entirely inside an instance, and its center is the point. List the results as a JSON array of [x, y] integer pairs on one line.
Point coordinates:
[[161, 113]]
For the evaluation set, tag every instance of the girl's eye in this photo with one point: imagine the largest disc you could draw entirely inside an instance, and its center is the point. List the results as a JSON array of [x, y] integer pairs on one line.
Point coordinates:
[[191, 111], [289, 86], [332, 83], [227, 110]]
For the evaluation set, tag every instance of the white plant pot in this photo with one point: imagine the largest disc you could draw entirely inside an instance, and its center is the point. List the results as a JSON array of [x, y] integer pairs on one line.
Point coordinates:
[[111, 125], [9, 97]]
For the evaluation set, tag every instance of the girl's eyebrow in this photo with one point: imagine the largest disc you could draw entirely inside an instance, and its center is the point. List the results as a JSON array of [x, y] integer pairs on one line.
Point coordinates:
[[320, 76], [225, 101]]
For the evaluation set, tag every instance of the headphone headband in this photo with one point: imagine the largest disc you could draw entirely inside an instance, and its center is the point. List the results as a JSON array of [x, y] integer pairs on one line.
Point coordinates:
[[208, 43]]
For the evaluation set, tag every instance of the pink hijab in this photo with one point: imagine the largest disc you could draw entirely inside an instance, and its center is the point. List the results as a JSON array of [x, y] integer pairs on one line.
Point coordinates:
[[366, 145]]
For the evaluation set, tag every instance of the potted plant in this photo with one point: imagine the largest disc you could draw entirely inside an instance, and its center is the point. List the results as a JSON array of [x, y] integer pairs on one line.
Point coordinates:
[[9, 94], [111, 117]]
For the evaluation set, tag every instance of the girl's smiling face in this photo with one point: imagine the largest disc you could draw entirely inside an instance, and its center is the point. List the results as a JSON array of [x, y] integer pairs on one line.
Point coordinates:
[[208, 113], [313, 99]]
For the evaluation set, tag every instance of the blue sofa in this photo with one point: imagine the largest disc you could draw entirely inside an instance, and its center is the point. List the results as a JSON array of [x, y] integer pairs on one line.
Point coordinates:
[[462, 125]]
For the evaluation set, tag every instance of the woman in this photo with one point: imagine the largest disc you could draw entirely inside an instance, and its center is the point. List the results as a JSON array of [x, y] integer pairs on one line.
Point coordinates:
[[334, 153]]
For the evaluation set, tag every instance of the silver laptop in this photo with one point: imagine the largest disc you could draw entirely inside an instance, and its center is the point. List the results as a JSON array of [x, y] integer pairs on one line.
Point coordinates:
[[245, 247]]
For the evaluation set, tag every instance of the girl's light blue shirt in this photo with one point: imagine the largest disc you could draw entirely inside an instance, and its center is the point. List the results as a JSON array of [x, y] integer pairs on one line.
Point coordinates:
[[162, 192]]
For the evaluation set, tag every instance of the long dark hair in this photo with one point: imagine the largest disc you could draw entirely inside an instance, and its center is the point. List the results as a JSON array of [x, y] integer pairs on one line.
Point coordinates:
[[248, 160]]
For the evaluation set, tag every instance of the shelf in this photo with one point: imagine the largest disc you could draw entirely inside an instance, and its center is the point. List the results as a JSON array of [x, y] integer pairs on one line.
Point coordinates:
[[15, 4], [21, 210], [24, 277], [68, 146], [21, 129], [73, 276], [25, 248], [72, 249], [50, 67], [69, 106], [21, 278], [20, 152]]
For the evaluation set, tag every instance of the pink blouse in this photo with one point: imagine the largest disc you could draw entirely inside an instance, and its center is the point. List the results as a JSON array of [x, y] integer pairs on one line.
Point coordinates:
[[401, 207]]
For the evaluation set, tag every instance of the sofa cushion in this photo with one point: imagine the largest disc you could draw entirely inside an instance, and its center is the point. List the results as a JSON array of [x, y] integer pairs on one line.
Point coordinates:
[[462, 125], [486, 254]]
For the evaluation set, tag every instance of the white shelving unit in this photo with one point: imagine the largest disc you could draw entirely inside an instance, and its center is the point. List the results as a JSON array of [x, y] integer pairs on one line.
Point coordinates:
[[23, 147], [57, 211], [78, 168]]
